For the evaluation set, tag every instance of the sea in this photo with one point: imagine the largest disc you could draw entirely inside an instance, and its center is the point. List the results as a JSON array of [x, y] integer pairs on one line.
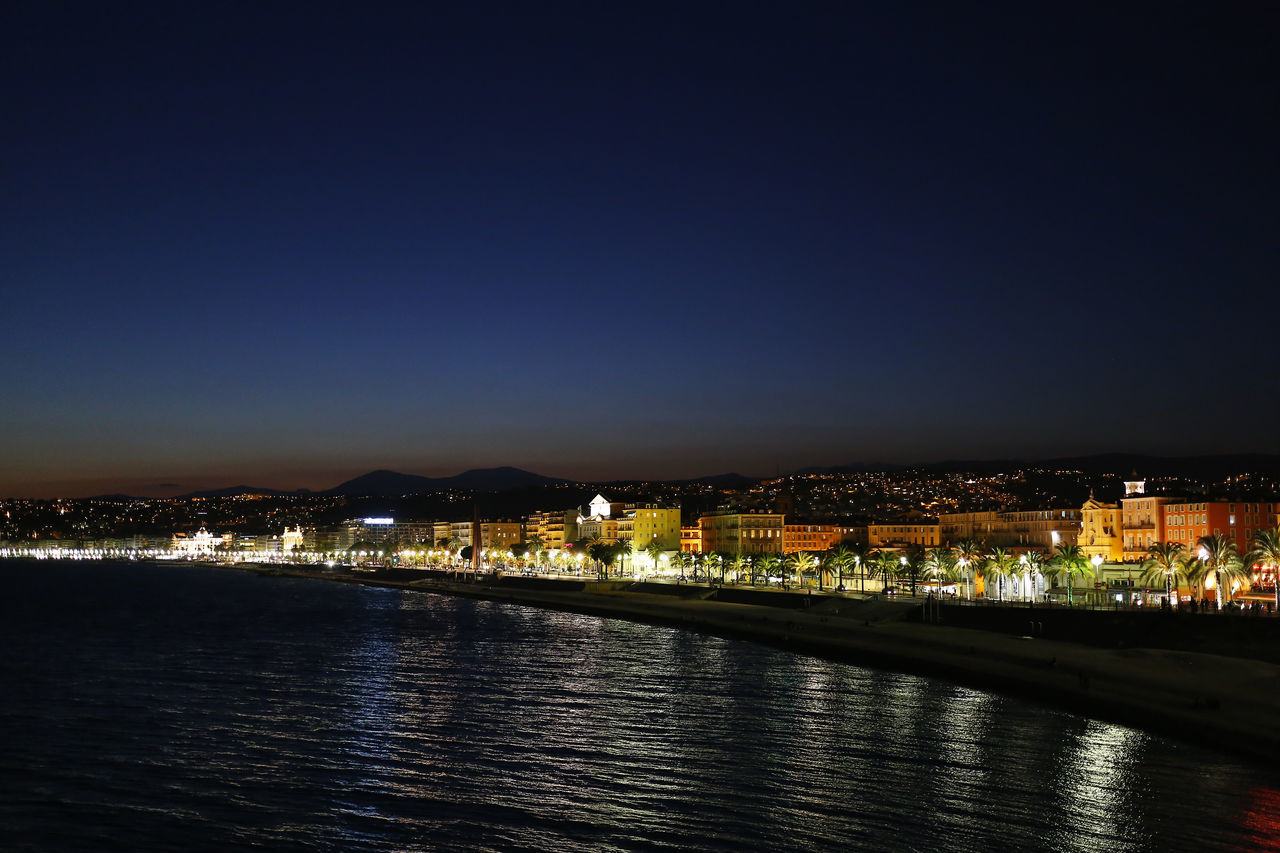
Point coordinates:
[[148, 707]]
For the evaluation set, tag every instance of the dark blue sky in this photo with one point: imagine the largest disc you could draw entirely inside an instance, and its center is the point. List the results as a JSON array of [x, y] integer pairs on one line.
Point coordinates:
[[287, 243]]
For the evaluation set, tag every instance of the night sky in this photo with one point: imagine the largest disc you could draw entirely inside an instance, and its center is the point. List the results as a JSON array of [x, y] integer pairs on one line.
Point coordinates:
[[284, 244]]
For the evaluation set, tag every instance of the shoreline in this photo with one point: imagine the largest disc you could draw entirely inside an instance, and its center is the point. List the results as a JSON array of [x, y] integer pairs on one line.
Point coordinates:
[[1187, 696]]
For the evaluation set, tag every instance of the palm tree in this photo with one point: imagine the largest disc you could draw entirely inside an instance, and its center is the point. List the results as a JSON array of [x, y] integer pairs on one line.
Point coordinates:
[[738, 565], [940, 564], [1222, 560], [766, 564], [1165, 563], [454, 545], [655, 550], [887, 566], [683, 561], [1266, 550], [534, 547], [1032, 563], [623, 548], [969, 556], [858, 556], [911, 564], [710, 560], [599, 552], [801, 562], [1197, 574], [499, 553], [1069, 560], [998, 566], [840, 558]]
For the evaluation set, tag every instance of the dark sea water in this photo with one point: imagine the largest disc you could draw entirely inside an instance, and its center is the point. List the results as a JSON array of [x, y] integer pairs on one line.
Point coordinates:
[[170, 707]]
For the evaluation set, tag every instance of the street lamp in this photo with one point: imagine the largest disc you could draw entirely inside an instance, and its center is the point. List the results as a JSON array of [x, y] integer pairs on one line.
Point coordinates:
[[1097, 564], [1023, 560], [902, 561]]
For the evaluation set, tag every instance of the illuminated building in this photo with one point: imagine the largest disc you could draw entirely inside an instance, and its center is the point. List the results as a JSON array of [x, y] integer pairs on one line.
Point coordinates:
[[604, 529], [809, 537], [1142, 523], [440, 532], [200, 544], [375, 530], [902, 534], [1100, 530], [1185, 522], [851, 534], [500, 534], [979, 526], [292, 540], [461, 531], [742, 532], [554, 528], [1044, 529], [645, 523], [691, 538]]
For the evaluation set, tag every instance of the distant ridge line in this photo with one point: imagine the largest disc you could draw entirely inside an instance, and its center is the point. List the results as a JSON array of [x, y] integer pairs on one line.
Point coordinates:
[[385, 483]]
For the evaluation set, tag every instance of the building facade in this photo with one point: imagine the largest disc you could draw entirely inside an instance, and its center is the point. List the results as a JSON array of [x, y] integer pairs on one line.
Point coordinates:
[[809, 537], [501, 535], [554, 528], [375, 531], [742, 532], [1044, 529], [645, 524], [1142, 523], [1188, 521], [1100, 534], [904, 534], [979, 526]]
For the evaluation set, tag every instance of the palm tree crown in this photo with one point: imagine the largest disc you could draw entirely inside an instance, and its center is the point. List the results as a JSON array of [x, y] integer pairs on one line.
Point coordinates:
[[1266, 551], [1165, 563], [1223, 561]]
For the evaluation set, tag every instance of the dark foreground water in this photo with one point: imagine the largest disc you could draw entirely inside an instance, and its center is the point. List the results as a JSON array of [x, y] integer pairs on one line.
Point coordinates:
[[170, 707]]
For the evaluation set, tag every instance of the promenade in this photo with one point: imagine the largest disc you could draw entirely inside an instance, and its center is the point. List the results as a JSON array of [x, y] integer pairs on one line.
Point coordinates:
[[1229, 703]]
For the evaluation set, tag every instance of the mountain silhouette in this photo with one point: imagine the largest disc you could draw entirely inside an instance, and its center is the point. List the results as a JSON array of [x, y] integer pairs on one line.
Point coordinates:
[[384, 482]]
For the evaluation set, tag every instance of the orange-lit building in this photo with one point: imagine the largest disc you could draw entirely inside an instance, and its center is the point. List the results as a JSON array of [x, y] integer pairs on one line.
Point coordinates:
[[1239, 521], [809, 537], [851, 534], [691, 538], [904, 534], [501, 534]]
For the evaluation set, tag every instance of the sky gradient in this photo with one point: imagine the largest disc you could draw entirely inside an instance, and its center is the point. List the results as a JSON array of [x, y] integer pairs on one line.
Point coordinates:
[[285, 244]]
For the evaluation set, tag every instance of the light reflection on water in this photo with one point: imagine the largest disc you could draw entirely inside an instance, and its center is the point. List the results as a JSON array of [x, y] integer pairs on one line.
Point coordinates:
[[170, 706]]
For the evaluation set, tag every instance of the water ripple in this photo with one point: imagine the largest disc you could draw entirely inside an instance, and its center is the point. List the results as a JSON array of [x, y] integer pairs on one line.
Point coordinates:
[[161, 707]]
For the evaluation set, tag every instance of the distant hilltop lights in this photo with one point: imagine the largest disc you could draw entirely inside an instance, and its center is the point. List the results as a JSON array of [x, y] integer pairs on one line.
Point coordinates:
[[1029, 533]]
